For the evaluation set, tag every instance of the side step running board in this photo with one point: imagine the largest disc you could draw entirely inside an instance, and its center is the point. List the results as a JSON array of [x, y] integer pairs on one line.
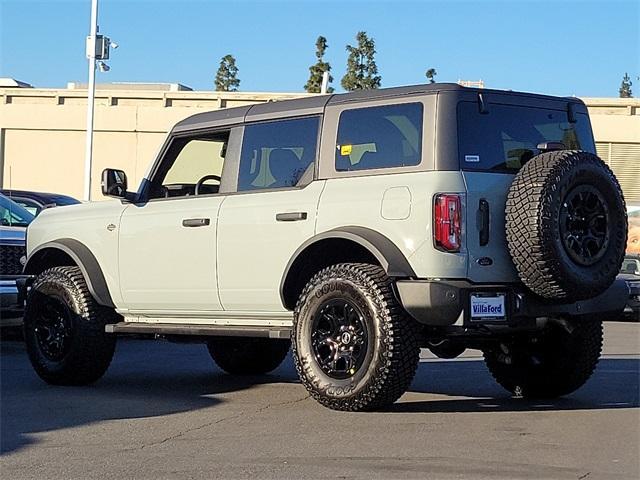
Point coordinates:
[[198, 330]]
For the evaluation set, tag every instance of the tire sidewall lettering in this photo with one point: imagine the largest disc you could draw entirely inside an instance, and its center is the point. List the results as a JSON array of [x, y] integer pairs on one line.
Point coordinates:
[[351, 287]]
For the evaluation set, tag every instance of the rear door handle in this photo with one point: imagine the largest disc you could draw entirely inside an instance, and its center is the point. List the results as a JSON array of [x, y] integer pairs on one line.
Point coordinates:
[[196, 222], [291, 216], [483, 222]]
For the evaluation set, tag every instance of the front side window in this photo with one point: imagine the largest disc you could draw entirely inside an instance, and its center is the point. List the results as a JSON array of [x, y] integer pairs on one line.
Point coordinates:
[[276, 154], [191, 166], [379, 137]]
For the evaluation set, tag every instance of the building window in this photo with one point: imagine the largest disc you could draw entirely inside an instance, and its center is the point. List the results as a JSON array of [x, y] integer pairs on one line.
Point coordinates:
[[624, 159]]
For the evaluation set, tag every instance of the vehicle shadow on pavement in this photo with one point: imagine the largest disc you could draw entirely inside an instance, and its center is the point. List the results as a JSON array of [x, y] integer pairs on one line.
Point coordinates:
[[151, 379], [614, 384], [146, 379]]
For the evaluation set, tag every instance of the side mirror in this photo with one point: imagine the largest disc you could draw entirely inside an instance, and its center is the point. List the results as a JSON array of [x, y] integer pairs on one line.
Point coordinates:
[[114, 183]]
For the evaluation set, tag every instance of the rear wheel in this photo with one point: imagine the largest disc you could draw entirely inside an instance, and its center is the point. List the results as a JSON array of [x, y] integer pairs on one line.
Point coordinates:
[[353, 346], [248, 356], [556, 363], [64, 329]]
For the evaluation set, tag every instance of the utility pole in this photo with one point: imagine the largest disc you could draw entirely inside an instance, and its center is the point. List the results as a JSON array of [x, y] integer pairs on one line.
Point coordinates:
[[97, 50], [91, 93]]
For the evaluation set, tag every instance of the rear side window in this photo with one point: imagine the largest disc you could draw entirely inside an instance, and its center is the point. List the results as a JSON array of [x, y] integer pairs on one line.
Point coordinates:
[[379, 137], [276, 154], [506, 138]]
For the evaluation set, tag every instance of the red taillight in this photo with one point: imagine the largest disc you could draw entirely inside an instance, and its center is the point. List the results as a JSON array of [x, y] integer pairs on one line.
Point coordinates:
[[446, 221]]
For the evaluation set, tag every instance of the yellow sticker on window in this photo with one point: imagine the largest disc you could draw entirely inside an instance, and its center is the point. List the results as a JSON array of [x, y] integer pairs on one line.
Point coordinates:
[[345, 150]]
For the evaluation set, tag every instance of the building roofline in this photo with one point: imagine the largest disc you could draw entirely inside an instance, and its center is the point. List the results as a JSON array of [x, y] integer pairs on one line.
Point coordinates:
[[611, 101]]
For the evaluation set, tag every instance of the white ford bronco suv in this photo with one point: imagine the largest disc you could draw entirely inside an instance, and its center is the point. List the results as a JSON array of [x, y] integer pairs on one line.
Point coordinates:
[[355, 229]]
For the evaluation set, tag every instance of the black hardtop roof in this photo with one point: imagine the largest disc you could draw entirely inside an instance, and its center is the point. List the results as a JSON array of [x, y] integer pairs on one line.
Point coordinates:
[[320, 101]]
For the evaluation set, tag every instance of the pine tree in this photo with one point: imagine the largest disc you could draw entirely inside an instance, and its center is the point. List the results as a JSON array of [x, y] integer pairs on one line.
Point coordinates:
[[316, 70], [362, 71], [625, 87], [227, 75], [431, 74]]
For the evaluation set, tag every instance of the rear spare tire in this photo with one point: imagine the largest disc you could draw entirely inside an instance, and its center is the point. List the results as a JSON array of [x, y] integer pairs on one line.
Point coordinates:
[[566, 225]]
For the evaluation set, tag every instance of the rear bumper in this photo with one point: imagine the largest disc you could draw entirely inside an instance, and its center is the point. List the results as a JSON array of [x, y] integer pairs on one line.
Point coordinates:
[[447, 302]]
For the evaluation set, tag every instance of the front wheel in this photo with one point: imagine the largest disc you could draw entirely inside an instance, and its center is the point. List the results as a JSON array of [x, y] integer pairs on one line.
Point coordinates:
[[64, 329], [555, 363], [353, 346]]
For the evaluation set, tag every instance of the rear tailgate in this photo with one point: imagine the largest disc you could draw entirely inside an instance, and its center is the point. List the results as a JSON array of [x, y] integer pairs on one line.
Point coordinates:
[[489, 259], [492, 146]]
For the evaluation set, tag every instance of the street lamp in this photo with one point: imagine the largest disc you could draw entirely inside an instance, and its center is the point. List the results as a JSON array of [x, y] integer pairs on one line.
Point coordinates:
[[97, 51]]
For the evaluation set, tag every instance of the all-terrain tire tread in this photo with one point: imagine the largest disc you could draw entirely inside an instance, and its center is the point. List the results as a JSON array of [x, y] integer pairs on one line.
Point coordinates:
[[399, 333], [530, 232], [91, 356]]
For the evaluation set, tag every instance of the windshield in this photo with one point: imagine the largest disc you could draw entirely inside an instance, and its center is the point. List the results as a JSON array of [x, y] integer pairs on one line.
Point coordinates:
[[12, 214], [506, 137]]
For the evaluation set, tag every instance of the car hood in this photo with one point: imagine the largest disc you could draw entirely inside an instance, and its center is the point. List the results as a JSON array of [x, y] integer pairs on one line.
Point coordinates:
[[12, 234]]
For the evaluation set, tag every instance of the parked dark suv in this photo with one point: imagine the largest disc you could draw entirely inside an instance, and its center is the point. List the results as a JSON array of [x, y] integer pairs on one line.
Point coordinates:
[[13, 225], [35, 202]]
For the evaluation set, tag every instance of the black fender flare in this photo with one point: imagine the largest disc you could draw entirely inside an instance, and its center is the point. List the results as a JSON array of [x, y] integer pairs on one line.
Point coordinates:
[[387, 253], [84, 259]]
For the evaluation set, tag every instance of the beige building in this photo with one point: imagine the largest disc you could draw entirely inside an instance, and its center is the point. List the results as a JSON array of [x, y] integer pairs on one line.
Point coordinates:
[[42, 132], [616, 128]]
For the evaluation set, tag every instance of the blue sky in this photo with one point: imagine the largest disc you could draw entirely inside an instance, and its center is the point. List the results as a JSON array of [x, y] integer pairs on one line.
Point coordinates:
[[567, 47]]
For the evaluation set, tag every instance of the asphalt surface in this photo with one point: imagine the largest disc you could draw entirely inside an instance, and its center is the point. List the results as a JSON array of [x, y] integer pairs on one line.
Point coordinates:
[[165, 411]]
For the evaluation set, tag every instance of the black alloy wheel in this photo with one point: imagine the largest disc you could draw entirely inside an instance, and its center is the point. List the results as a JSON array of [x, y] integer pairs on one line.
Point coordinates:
[[584, 218], [53, 327], [339, 338]]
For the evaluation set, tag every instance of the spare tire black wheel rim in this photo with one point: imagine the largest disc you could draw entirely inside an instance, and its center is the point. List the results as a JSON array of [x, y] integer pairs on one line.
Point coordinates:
[[53, 328], [584, 219], [339, 338]]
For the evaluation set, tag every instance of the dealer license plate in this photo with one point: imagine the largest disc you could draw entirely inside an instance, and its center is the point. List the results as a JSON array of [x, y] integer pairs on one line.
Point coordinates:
[[488, 306]]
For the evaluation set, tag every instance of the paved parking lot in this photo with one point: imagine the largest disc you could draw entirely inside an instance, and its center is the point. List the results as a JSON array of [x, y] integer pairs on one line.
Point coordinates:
[[164, 411]]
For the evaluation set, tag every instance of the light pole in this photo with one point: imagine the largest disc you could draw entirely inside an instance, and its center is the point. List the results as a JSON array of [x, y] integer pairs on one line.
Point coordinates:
[[91, 93], [97, 50]]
